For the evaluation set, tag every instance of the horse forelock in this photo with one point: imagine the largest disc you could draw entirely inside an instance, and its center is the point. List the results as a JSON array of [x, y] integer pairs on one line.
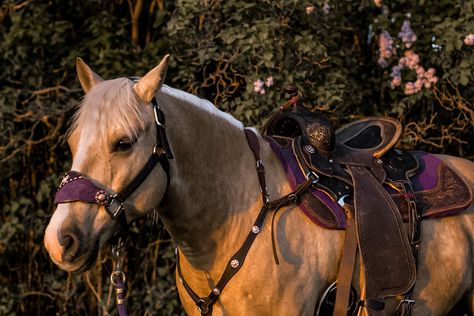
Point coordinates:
[[111, 101]]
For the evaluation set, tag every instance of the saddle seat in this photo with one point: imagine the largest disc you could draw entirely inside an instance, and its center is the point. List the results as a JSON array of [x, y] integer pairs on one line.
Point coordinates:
[[359, 165]]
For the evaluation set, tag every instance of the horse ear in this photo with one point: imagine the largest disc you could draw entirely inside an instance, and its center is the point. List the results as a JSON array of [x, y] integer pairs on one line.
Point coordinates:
[[146, 87], [86, 76]]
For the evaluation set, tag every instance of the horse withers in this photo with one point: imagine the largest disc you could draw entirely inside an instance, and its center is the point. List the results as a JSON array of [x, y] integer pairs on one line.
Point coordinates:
[[198, 169]]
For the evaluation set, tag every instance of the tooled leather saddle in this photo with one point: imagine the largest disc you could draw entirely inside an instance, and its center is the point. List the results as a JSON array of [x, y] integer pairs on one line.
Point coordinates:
[[370, 188]]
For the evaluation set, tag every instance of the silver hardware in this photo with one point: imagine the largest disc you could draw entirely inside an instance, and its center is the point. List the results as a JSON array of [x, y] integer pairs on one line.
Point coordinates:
[[216, 291], [235, 263], [405, 301], [341, 200], [255, 229], [259, 163], [379, 161], [157, 120], [118, 209], [309, 149], [313, 177], [331, 161]]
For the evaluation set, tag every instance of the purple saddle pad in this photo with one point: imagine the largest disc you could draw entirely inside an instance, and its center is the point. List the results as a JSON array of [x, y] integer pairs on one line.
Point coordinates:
[[438, 189]]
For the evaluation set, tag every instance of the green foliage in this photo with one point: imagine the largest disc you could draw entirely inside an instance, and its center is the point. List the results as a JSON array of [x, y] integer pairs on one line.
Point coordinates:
[[329, 50]]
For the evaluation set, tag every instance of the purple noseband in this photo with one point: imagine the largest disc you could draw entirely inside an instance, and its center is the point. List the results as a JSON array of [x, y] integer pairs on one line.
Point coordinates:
[[77, 187]]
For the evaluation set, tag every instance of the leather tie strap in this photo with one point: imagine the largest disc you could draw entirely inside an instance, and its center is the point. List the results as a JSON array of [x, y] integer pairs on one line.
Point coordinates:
[[346, 268]]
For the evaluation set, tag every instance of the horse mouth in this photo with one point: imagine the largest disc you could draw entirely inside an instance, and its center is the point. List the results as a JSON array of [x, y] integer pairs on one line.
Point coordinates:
[[80, 263], [87, 261]]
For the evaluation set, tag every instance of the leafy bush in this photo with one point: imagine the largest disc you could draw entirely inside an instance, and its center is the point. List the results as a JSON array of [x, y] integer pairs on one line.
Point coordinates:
[[346, 57]]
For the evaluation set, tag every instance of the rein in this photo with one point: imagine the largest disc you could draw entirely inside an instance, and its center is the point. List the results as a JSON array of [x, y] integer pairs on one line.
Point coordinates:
[[234, 264], [78, 187]]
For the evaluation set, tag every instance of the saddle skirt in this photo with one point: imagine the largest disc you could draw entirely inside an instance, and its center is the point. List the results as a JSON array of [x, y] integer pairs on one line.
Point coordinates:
[[439, 191]]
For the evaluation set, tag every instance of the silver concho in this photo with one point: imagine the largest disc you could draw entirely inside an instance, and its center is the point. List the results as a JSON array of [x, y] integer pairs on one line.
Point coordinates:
[[309, 149], [255, 229], [234, 263]]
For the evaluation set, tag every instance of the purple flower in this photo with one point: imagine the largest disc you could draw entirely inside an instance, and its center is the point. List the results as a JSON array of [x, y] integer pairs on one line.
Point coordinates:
[[326, 8], [385, 48], [406, 34], [469, 40], [396, 71]]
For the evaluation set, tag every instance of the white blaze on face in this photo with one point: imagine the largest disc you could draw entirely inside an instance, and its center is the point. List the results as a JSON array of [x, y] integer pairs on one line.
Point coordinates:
[[51, 241]]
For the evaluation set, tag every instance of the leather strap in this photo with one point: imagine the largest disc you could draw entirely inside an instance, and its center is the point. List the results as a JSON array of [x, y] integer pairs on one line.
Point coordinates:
[[346, 267], [234, 264]]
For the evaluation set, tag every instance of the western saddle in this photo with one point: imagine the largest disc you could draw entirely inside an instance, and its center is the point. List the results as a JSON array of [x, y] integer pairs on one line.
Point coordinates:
[[359, 167]]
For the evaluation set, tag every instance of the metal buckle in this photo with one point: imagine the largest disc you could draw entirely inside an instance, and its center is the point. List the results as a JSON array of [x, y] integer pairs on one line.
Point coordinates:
[[157, 117], [313, 177], [118, 208], [406, 301], [202, 306]]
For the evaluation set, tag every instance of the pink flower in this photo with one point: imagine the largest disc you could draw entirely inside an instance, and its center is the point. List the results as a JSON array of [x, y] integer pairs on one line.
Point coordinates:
[[409, 88], [430, 76], [385, 48], [259, 86], [411, 59], [310, 9], [469, 39], [419, 83], [269, 81], [420, 71], [378, 3]]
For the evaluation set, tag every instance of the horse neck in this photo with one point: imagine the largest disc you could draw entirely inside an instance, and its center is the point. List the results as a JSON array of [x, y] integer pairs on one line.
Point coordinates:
[[214, 187]]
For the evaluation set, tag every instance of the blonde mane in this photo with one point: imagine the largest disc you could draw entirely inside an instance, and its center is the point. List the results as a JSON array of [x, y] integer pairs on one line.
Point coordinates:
[[111, 100]]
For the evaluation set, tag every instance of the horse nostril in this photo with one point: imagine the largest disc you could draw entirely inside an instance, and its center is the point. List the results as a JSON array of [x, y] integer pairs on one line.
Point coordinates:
[[70, 244]]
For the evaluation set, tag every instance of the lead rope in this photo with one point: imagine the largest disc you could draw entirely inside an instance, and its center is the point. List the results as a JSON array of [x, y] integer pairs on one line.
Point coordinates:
[[118, 278]]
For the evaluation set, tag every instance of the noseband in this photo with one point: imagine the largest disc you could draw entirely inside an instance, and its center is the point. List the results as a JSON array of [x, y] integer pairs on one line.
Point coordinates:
[[78, 187]]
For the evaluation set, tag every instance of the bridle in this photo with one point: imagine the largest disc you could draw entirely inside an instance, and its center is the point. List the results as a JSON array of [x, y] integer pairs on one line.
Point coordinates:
[[78, 187]]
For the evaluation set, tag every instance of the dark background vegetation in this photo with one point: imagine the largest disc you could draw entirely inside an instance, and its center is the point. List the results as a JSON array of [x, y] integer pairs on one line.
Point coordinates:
[[219, 48]]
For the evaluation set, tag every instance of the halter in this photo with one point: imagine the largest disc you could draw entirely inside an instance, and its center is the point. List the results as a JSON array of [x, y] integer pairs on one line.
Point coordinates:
[[78, 187]]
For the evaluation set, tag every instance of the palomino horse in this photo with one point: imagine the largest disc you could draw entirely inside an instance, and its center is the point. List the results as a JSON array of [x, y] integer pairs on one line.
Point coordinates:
[[208, 198]]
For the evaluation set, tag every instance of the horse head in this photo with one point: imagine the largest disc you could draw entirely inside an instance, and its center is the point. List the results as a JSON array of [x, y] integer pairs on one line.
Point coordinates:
[[113, 136]]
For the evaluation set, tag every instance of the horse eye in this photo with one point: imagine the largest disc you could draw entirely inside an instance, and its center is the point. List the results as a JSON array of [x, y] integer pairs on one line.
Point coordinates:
[[123, 145]]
